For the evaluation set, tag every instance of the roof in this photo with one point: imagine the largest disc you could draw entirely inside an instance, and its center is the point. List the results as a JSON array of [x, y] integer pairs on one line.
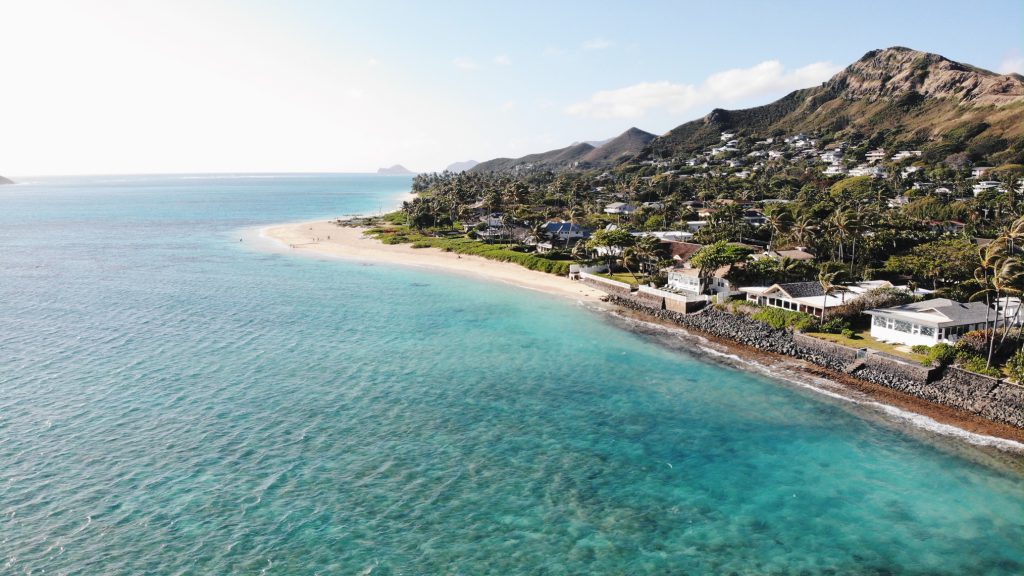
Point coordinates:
[[683, 251], [940, 312], [560, 227], [795, 254], [721, 272], [802, 289]]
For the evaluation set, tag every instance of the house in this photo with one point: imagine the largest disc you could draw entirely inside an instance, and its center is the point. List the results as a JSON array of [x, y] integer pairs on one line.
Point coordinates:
[[687, 281], [619, 208], [695, 225], [681, 252], [653, 206], [667, 235], [493, 220], [980, 171], [797, 254], [987, 185], [806, 297], [904, 154], [876, 155], [907, 171], [928, 322], [865, 170], [564, 231]]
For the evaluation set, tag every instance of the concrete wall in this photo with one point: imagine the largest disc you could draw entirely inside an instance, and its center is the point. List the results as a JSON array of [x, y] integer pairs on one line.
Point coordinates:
[[611, 287]]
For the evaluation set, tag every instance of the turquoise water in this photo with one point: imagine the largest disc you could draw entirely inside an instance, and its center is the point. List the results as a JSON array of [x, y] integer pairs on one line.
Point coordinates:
[[173, 401]]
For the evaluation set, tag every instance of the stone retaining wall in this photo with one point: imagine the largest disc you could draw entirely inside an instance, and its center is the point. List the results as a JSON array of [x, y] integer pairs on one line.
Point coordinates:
[[826, 347], [987, 397]]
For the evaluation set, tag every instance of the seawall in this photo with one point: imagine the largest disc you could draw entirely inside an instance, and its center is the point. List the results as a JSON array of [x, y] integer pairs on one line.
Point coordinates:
[[990, 398]]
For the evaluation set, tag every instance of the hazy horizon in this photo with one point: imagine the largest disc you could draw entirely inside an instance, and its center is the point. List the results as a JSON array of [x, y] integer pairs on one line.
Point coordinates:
[[160, 87]]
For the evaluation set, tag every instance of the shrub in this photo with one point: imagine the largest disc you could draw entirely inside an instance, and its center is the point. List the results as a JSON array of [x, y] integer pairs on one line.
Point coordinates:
[[877, 298], [421, 245], [848, 333], [779, 318], [1015, 366], [974, 342], [834, 326], [975, 363], [920, 348], [940, 353]]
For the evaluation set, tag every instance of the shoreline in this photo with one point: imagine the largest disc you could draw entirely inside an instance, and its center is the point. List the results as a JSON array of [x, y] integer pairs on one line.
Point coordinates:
[[323, 238], [970, 428]]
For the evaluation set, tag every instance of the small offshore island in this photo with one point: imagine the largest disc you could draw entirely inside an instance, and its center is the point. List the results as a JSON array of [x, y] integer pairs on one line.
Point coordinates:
[[869, 227]]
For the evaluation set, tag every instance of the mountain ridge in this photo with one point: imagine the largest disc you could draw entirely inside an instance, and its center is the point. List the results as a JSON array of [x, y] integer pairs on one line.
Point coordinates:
[[583, 155], [895, 94]]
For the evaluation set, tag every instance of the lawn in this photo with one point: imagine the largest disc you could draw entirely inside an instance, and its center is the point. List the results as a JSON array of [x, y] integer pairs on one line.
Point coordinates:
[[863, 339], [621, 277]]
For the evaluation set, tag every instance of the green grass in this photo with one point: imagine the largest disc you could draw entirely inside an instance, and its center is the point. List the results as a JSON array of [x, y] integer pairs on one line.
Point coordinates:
[[863, 339], [624, 277], [463, 245]]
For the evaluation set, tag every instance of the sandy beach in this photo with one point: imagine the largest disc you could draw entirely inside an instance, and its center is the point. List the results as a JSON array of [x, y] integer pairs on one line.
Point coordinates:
[[326, 238], [347, 242]]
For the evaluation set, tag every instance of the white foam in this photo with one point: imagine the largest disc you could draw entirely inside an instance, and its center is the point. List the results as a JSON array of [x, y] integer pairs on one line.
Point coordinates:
[[838, 391]]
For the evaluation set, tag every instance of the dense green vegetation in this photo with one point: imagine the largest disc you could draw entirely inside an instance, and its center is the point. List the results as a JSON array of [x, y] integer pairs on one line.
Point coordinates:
[[463, 245]]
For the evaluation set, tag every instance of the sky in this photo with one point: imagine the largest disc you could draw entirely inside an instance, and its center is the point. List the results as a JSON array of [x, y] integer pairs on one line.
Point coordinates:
[[154, 86]]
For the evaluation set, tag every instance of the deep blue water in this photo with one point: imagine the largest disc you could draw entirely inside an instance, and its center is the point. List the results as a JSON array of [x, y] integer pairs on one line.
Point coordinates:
[[173, 401]]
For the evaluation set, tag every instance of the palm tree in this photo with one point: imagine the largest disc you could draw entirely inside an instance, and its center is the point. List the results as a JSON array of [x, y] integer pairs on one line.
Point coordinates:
[[778, 222], [829, 287], [803, 229]]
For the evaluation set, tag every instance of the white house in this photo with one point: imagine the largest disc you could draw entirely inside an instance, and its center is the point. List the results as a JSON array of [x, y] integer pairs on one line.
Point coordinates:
[[687, 280], [904, 154], [928, 322], [807, 297], [835, 170], [875, 155], [986, 185], [619, 208], [979, 171]]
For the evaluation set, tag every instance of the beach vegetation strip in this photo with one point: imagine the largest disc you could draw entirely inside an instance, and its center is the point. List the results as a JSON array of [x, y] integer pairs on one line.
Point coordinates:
[[464, 245]]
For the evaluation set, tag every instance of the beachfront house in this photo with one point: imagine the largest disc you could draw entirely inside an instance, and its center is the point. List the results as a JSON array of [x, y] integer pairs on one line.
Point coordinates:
[[686, 280], [929, 322], [808, 297]]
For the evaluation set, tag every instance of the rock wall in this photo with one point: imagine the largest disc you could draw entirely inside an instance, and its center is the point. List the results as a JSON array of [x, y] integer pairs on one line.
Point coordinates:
[[987, 397]]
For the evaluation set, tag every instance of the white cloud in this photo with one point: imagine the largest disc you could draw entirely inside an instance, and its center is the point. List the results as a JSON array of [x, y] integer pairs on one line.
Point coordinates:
[[465, 63], [502, 60], [768, 77], [597, 44], [1013, 62], [372, 63]]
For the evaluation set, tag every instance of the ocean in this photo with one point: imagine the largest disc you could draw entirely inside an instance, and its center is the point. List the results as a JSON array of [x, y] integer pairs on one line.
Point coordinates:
[[176, 401]]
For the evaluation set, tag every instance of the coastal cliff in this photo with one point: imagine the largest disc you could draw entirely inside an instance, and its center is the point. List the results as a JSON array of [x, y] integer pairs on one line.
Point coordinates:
[[5, 181]]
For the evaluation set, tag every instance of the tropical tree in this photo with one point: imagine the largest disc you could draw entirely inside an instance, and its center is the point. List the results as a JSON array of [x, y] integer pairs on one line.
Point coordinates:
[[829, 286], [714, 256]]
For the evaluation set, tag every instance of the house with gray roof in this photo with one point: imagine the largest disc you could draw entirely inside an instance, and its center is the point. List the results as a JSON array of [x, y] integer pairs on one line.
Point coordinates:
[[929, 322], [808, 297]]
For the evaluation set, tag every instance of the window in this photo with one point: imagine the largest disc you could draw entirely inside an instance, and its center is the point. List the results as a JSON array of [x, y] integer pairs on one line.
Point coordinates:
[[878, 321], [927, 331], [902, 326]]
